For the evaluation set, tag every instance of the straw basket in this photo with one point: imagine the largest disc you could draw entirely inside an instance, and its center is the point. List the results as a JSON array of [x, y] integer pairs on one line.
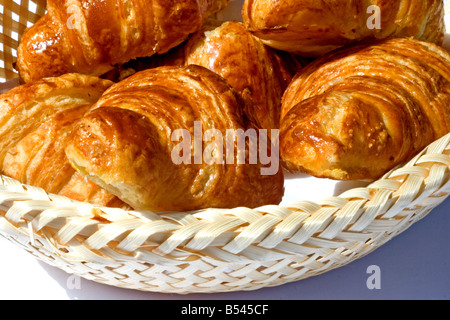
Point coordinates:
[[212, 250]]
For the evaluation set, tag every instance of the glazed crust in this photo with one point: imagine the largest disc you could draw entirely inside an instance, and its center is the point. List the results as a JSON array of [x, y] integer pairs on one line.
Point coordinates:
[[125, 144], [312, 28], [90, 37], [362, 110], [259, 73], [36, 120]]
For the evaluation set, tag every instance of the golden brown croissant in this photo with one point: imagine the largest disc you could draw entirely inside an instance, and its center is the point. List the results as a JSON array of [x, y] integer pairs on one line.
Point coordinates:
[[362, 110], [126, 144], [259, 73], [90, 36], [313, 28], [36, 120]]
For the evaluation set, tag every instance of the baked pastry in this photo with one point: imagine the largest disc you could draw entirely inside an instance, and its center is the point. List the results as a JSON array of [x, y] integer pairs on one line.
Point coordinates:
[[360, 111], [35, 122], [91, 36], [259, 73], [313, 28], [163, 139]]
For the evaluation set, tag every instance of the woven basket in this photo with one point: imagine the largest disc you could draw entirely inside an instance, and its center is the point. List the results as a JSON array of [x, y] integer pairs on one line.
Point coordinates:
[[212, 250]]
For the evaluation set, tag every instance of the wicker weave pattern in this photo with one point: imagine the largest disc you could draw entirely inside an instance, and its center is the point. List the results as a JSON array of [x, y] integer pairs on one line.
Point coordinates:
[[211, 250], [223, 250]]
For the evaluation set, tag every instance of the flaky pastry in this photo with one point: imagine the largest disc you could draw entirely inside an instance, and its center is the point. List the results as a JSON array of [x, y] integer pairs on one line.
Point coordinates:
[[360, 111], [35, 122], [312, 28], [90, 36], [126, 145]]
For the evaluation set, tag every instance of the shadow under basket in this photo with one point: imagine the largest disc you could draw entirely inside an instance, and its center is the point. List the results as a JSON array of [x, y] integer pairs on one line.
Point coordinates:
[[212, 250]]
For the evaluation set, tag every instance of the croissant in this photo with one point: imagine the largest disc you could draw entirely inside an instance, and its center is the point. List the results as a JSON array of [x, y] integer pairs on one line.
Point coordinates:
[[313, 28], [358, 112], [91, 36], [259, 73], [167, 139], [36, 120]]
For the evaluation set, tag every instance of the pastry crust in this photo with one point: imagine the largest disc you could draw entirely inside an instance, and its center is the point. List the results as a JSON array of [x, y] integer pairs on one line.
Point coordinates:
[[90, 37], [125, 144], [259, 73], [36, 120], [312, 28], [362, 110]]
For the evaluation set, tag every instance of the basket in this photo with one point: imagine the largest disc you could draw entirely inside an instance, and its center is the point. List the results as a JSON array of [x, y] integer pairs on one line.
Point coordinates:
[[212, 250]]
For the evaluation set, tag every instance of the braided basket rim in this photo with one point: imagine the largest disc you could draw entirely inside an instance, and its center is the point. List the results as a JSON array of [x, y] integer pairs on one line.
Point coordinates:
[[217, 250]]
